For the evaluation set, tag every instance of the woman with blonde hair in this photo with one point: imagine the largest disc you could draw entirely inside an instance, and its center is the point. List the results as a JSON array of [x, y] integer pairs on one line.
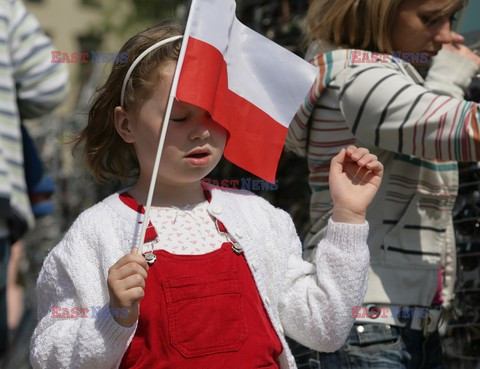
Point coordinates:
[[373, 90]]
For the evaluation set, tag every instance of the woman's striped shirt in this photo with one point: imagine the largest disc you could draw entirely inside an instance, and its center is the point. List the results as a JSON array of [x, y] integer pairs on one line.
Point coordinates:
[[378, 102]]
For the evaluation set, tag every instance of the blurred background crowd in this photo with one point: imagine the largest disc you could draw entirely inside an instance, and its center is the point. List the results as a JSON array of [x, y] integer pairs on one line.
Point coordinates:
[[86, 26]]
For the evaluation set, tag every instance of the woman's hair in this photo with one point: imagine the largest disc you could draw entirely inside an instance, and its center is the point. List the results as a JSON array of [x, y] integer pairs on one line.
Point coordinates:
[[357, 24], [106, 154]]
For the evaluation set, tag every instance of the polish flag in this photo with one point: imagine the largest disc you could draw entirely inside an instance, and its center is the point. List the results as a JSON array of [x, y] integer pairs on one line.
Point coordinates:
[[249, 84]]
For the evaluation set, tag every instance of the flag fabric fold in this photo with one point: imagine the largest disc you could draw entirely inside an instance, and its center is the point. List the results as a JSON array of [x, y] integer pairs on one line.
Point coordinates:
[[249, 84]]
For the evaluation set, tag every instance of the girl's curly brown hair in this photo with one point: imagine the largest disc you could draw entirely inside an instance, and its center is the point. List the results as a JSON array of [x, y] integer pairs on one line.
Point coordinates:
[[105, 153]]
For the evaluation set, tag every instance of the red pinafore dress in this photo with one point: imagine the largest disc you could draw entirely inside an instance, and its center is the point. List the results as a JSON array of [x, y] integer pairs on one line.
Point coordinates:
[[201, 312]]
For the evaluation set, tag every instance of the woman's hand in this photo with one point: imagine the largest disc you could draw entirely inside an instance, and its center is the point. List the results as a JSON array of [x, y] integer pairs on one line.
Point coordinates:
[[355, 176], [126, 285], [457, 47]]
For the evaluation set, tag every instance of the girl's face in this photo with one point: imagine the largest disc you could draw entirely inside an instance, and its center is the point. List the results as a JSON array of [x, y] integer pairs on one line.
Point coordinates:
[[420, 27], [194, 142]]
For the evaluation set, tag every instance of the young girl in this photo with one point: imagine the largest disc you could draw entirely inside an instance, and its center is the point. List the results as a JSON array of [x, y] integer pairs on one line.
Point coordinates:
[[228, 281]]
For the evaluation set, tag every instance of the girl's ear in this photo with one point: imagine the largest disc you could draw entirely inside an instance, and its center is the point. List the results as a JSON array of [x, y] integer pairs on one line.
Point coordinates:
[[122, 124]]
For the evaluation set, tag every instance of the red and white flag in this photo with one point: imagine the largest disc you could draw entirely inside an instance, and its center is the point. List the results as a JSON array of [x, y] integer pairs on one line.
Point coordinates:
[[249, 84]]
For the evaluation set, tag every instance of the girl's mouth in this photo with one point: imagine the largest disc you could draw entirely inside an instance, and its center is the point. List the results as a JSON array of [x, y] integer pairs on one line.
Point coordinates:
[[198, 157]]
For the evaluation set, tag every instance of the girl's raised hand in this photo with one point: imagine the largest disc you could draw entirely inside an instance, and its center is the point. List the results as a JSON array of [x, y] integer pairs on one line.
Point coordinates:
[[355, 176], [126, 284]]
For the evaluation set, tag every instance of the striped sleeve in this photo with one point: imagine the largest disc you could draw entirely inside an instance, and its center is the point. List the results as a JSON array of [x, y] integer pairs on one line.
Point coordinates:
[[385, 108], [41, 85], [298, 132]]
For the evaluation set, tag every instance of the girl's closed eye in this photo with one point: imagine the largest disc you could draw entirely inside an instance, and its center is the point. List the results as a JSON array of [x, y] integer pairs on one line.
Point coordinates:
[[179, 118]]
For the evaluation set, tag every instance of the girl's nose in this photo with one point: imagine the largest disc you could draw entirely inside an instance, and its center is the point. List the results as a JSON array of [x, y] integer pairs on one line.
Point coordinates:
[[200, 130]]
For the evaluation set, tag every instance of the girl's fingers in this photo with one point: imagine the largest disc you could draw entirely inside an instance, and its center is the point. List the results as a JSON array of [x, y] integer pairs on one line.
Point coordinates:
[[374, 166], [124, 292], [338, 161], [129, 297], [130, 282], [127, 270], [357, 159], [360, 155], [129, 258], [356, 153], [367, 158], [351, 149]]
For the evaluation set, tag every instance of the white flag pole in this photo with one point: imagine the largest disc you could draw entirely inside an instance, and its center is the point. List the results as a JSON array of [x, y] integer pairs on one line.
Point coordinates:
[[163, 134]]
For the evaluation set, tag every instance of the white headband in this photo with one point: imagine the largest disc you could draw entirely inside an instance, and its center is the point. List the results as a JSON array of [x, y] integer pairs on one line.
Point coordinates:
[[139, 59]]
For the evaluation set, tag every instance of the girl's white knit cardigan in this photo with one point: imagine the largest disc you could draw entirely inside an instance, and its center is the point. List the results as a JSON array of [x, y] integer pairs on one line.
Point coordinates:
[[312, 303]]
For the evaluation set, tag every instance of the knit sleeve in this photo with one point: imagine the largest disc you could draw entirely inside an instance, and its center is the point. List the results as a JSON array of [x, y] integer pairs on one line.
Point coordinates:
[[384, 107], [76, 329], [316, 309], [41, 85]]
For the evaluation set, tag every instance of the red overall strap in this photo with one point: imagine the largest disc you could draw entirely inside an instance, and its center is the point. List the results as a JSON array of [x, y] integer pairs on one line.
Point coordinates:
[[127, 199], [151, 233]]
